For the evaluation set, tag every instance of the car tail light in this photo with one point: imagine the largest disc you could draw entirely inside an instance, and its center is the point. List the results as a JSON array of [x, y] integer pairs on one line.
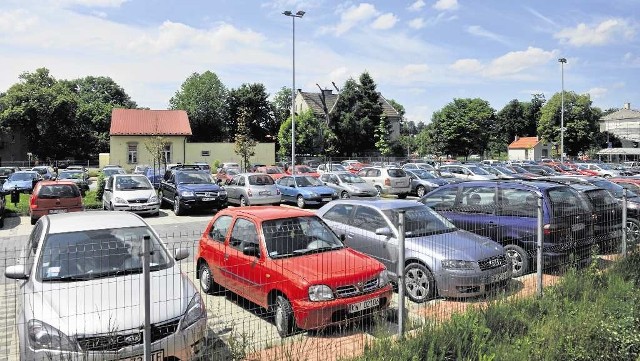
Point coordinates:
[[546, 230], [249, 193], [387, 182], [33, 202]]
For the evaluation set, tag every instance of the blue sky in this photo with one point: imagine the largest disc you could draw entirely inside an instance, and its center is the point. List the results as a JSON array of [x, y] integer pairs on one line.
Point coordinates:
[[422, 53]]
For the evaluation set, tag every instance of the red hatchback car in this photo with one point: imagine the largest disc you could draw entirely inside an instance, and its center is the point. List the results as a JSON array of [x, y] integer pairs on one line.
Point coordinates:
[[49, 197], [289, 262]]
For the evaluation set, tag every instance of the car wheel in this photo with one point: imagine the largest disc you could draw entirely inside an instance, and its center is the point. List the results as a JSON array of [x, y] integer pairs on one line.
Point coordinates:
[[283, 317], [519, 259], [163, 203], [402, 196], [207, 283], [111, 207], [421, 191], [177, 209], [419, 283], [345, 195], [33, 221], [379, 189], [104, 206], [243, 201], [300, 202], [633, 232]]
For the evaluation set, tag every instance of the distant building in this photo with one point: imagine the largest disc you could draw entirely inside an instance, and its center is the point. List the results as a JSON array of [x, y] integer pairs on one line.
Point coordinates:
[[529, 148], [324, 103], [625, 124]]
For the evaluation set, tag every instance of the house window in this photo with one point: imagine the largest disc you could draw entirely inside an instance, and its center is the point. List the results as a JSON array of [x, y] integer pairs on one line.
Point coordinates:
[[204, 153], [132, 153], [166, 152]]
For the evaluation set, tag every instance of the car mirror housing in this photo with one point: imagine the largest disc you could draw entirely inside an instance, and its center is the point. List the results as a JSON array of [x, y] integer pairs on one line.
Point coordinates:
[[384, 231], [180, 254], [251, 249], [16, 272]]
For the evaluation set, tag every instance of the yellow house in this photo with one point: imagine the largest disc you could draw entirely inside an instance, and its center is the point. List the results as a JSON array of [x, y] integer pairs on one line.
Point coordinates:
[[132, 132]]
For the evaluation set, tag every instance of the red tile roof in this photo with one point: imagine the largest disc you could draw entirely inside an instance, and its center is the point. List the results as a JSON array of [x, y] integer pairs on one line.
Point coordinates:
[[149, 122], [524, 143]]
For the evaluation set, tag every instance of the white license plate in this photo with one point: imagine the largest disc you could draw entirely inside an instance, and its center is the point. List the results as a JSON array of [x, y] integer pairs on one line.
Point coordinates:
[[577, 227], [356, 307], [498, 277], [326, 199], [53, 211], [265, 193], [206, 199], [136, 207], [155, 356]]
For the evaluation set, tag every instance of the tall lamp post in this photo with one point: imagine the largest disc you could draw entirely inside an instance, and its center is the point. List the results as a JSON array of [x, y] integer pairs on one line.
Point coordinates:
[[293, 16], [562, 62]]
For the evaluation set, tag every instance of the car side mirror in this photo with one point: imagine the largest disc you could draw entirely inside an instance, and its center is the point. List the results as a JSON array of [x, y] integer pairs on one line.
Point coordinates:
[[252, 250], [384, 231], [16, 272], [343, 238], [180, 254]]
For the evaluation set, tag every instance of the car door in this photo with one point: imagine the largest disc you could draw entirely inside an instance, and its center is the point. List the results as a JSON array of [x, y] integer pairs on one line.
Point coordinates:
[[475, 210], [233, 191], [338, 217], [287, 188], [361, 236], [244, 273], [212, 248]]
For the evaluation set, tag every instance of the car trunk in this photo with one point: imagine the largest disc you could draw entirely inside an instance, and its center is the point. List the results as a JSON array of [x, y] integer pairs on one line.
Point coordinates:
[[398, 178], [58, 199]]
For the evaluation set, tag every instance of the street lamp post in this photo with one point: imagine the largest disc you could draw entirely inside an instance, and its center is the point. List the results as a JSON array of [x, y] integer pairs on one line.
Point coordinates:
[[562, 62], [293, 16]]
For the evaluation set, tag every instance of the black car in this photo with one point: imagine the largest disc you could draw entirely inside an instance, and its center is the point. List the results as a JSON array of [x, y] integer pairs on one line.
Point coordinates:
[[607, 216], [189, 187]]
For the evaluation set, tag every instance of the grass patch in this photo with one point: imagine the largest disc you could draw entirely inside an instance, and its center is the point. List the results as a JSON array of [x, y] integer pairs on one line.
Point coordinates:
[[588, 315], [22, 208]]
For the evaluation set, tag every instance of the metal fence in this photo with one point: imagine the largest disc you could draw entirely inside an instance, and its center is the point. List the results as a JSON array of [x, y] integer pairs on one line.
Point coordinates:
[[87, 296]]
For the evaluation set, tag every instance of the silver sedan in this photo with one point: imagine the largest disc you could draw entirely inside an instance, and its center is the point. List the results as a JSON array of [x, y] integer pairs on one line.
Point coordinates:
[[247, 189], [348, 185]]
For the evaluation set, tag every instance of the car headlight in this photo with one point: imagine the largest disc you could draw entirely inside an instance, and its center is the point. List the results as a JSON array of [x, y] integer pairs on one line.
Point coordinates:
[[195, 311], [43, 336], [633, 205], [383, 278], [120, 200], [187, 193], [320, 293], [457, 264], [313, 194], [335, 195], [432, 185], [222, 192], [153, 199]]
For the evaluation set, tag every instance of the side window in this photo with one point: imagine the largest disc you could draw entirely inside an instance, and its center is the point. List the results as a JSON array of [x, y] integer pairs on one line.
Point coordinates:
[[34, 239], [220, 228], [241, 181], [244, 233], [339, 213], [442, 199], [478, 200], [324, 177], [362, 173], [234, 181], [368, 219], [334, 179], [518, 203]]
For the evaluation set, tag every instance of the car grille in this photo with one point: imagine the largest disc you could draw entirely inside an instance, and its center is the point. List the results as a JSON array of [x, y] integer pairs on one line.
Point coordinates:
[[206, 194], [358, 289], [138, 201], [116, 341], [493, 262]]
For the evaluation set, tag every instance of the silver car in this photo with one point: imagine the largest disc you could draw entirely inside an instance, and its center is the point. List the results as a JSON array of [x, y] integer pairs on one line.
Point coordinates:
[[441, 260], [130, 192], [249, 189], [348, 185], [81, 292]]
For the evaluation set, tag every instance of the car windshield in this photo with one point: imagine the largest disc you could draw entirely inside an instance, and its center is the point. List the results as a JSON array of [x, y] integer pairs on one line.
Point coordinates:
[[505, 170], [260, 180], [83, 255], [308, 181], [233, 171], [420, 221], [336, 168], [40, 170], [478, 170], [193, 178], [605, 166], [274, 170], [129, 183], [303, 169], [423, 174], [290, 237], [350, 178], [71, 174], [5, 171], [519, 169], [615, 189], [111, 171], [22, 177]]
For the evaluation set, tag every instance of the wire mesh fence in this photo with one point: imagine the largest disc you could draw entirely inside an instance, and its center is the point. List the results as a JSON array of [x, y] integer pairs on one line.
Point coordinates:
[[263, 283]]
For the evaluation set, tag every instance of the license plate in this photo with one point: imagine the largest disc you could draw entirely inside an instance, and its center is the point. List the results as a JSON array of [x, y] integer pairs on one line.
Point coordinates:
[[53, 211], [155, 356], [206, 199], [357, 307], [577, 227], [265, 193], [136, 207], [498, 277], [326, 199]]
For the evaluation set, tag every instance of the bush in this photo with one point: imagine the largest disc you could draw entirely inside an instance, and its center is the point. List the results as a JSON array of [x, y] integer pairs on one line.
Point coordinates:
[[100, 188]]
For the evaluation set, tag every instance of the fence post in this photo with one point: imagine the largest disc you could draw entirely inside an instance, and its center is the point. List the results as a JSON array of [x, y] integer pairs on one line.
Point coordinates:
[[146, 261], [624, 222], [400, 273], [540, 240]]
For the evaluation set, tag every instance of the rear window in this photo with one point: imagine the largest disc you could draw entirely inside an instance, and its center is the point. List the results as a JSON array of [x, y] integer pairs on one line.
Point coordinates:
[[601, 199], [396, 173], [566, 200], [58, 191], [260, 180]]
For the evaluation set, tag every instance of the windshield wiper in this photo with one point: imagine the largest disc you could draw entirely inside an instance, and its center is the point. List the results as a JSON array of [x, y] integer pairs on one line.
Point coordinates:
[[316, 250]]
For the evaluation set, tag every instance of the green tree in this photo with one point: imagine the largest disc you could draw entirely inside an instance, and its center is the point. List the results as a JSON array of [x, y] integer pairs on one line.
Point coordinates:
[[155, 145], [204, 98], [253, 100], [580, 122], [281, 106], [460, 128], [245, 145], [313, 137]]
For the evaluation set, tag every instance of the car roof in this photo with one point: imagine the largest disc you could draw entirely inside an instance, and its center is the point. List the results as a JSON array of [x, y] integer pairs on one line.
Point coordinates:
[[86, 221], [510, 183], [265, 213], [585, 187], [382, 204], [54, 182]]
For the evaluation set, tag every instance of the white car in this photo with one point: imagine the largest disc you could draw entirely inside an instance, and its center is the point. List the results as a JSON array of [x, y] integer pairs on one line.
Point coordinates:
[[604, 170], [130, 192], [81, 292], [389, 180], [466, 172]]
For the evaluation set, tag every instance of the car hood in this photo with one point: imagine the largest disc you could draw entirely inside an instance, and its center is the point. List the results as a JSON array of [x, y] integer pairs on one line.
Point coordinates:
[[332, 268], [8, 185], [107, 304], [460, 245], [437, 181], [200, 187], [316, 189], [135, 194]]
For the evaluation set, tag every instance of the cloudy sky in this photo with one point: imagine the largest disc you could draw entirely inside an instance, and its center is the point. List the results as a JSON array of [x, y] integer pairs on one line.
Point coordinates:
[[422, 53]]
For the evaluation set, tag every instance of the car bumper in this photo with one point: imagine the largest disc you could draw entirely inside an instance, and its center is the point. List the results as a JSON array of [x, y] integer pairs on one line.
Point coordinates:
[[459, 284], [364, 194], [319, 200], [395, 190], [198, 203], [313, 315], [37, 213], [257, 200], [182, 345], [142, 208]]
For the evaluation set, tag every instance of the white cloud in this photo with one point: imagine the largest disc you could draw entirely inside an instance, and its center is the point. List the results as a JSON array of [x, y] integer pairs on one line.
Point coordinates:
[[416, 6], [443, 5], [607, 31], [385, 21], [16, 21], [417, 23], [540, 16], [355, 15], [410, 70], [597, 92], [467, 65], [483, 33], [518, 61]]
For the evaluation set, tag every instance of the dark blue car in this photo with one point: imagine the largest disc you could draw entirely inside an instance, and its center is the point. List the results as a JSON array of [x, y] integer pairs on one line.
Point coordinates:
[[506, 211]]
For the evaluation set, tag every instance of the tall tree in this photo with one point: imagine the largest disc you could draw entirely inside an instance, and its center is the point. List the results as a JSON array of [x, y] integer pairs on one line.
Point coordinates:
[[313, 137], [580, 122], [204, 98], [281, 105], [245, 144], [253, 100]]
